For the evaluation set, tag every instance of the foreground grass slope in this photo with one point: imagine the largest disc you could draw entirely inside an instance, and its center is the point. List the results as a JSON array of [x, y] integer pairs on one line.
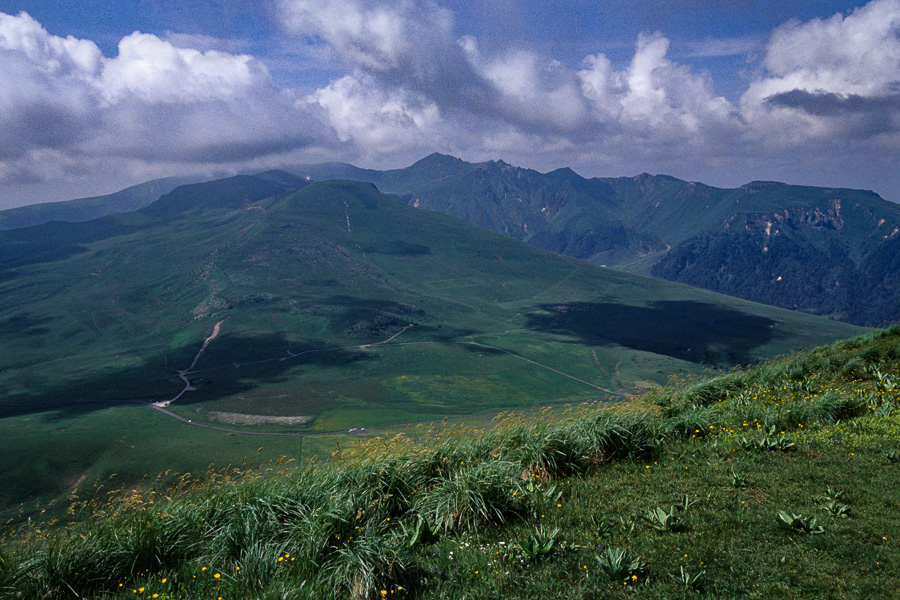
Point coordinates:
[[780, 481]]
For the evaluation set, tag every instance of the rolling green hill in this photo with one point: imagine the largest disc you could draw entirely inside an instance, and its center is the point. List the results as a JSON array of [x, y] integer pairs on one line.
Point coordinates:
[[86, 209], [326, 308], [823, 251], [828, 252]]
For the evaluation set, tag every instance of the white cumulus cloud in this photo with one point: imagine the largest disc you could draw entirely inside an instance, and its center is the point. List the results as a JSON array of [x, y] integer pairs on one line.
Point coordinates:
[[51, 54], [856, 54], [153, 70], [378, 121], [411, 50], [831, 78], [63, 104], [659, 95]]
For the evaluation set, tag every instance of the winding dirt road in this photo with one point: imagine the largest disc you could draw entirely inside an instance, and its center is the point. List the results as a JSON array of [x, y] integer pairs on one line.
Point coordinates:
[[184, 373]]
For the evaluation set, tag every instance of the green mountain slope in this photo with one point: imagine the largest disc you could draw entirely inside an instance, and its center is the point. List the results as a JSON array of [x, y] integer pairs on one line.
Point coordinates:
[[328, 308], [828, 246], [558, 211], [86, 209], [824, 252]]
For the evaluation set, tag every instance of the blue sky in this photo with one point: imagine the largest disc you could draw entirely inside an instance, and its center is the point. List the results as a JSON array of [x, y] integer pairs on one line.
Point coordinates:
[[99, 95]]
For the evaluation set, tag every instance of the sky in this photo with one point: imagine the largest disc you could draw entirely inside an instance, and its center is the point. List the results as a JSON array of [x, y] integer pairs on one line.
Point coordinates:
[[102, 94]]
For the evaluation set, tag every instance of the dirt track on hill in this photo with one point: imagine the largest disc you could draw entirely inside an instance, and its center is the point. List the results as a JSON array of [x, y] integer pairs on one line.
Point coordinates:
[[183, 373]]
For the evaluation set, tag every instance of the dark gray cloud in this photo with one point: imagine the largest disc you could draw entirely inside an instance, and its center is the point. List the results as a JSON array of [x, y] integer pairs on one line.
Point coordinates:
[[37, 109], [860, 116], [824, 104]]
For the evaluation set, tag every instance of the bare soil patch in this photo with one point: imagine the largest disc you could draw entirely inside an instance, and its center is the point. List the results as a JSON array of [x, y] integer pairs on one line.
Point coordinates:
[[245, 419]]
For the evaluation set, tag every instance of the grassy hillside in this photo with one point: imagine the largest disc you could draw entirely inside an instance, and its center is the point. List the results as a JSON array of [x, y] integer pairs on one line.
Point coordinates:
[[330, 308], [86, 209], [780, 481], [819, 250]]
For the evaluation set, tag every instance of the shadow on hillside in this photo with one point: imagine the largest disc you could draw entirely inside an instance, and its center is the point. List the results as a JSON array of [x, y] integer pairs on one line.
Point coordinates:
[[687, 330], [366, 316], [22, 326], [53, 241], [231, 364], [400, 248], [15, 258]]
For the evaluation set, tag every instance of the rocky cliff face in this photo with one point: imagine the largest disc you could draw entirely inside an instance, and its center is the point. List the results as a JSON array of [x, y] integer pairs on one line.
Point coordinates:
[[815, 217]]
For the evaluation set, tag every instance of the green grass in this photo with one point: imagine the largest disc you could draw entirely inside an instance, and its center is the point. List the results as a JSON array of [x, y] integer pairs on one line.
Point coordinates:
[[110, 313], [730, 486]]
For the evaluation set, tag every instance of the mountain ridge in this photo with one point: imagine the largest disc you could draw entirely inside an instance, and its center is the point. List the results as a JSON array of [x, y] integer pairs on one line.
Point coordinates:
[[658, 224], [666, 227], [85, 209]]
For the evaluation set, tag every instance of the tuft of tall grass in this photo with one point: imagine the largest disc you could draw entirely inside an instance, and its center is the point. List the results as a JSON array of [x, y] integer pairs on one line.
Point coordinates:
[[370, 563], [65, 566], [5, 572], [153, 537], [258, 563], [705, 393], [485, 492], [628, 436], [692, 422], [548, 449]]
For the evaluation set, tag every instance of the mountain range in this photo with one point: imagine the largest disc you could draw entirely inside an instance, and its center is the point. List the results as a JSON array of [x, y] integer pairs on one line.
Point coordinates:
[[829, 252]]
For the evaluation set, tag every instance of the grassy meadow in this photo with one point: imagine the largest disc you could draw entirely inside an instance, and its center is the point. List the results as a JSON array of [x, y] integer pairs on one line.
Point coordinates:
[[779, 480]]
